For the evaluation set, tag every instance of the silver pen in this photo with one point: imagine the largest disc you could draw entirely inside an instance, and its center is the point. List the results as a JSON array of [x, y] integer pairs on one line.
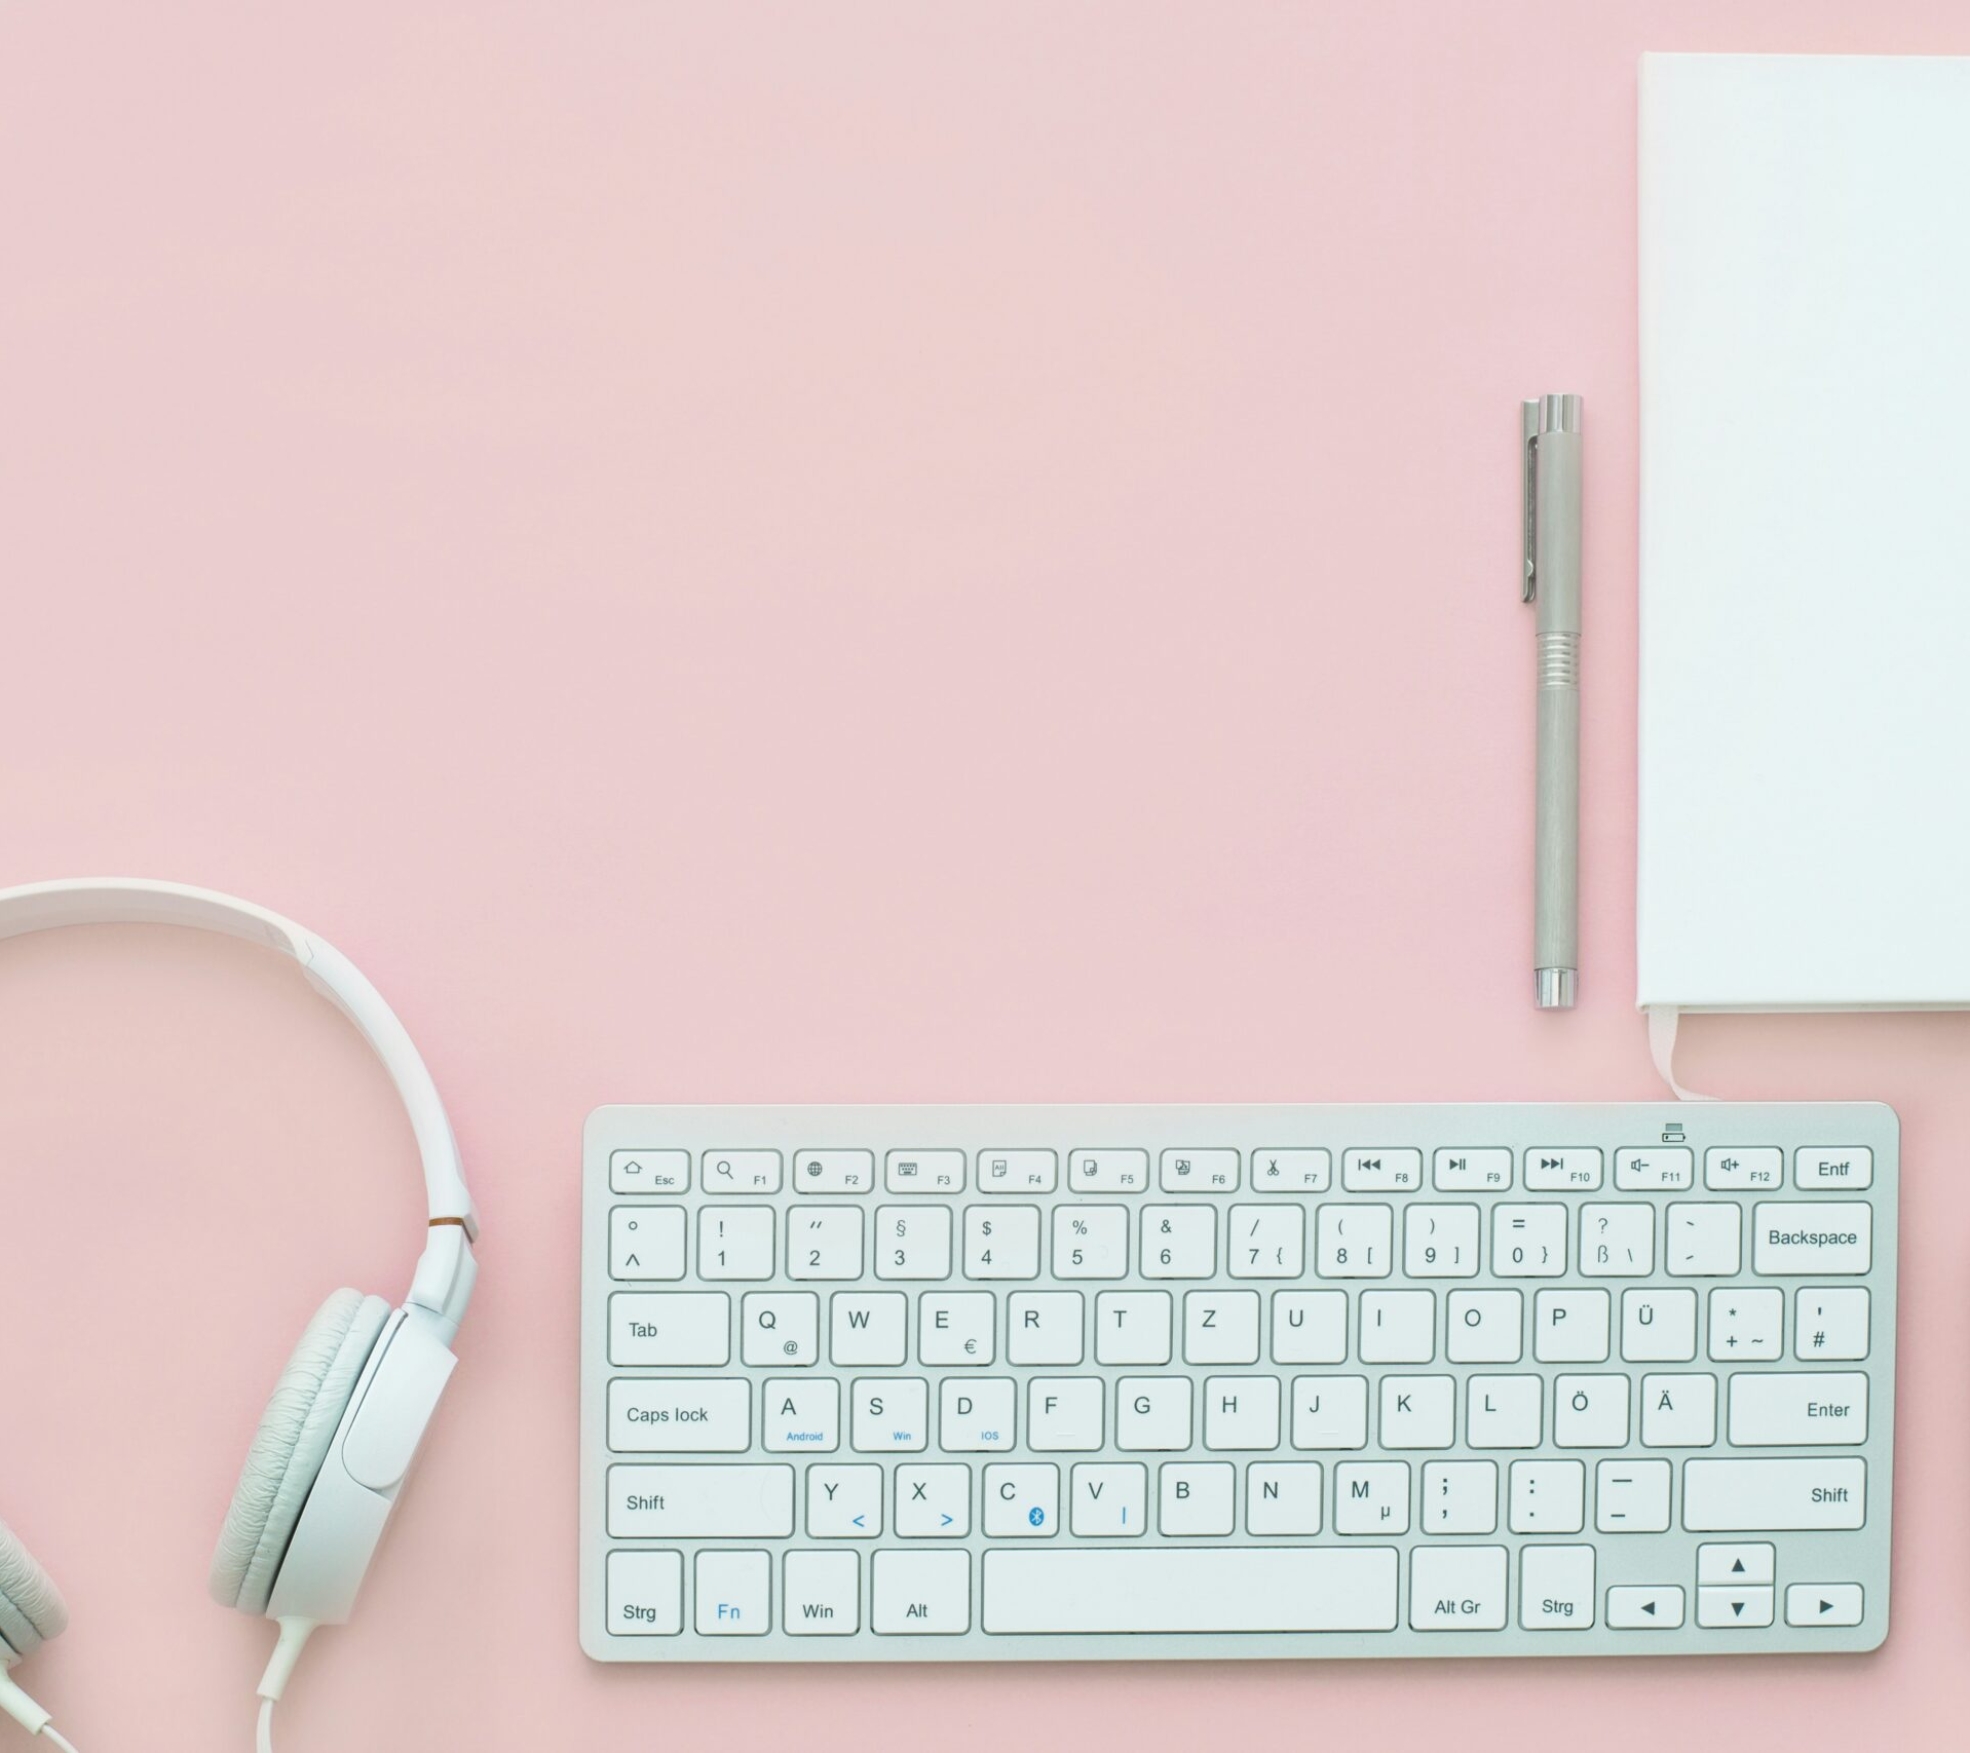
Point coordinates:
[[1551, 428]]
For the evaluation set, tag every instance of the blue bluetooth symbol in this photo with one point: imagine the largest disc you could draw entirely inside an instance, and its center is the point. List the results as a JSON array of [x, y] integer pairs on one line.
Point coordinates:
[[1036, 1515]]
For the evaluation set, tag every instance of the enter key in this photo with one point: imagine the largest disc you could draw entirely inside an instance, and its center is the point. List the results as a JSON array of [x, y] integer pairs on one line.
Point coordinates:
[[1793, 1410]]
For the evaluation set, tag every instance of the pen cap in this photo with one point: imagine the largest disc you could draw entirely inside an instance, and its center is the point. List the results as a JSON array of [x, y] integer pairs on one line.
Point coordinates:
[[1552, 512]]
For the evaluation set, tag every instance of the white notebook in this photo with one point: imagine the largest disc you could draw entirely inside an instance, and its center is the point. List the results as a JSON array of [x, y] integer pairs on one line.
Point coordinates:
[[1805, 533]]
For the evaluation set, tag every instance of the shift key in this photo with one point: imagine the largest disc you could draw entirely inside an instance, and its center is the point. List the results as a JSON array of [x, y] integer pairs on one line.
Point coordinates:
[[705, 1502], [1751, 1497]]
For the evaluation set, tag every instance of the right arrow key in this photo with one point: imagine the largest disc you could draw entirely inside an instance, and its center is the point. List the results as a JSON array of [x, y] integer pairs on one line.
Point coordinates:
[[1823, 1604]]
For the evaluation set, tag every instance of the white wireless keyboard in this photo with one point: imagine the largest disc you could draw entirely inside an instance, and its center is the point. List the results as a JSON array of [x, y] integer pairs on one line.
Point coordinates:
[[1000, 1383]]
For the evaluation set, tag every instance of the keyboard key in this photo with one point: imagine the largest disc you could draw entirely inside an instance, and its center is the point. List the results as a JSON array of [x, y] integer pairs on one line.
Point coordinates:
[[732, 1593], [1658, 1326], [844, 1502], [1548, 1497], [933, 1501], [1398, 1326], [1110, 1501], [1472, 1171], [1746, 1325], [1440, 1241], [1195, 1498], [822, 1596], [1309, 1326], [1063, 1412], [1330, 1412], [1017, 1171], [1241, 1412], [889, 1414], [1757, 1496], [834, 1171], [1528, 1241], [1371, 1497], [1590, 1412], [1570, 1326], [1199, 1171], [646, 1242], [1679, 1412], [868, 1327], [913, 1241], [801, 1413], [1485, 1326], [1797, 1411], [1739, 1167], [1744, 1609], [1562, 1170], [1293, 1588], [1820, 1238], [1823, 1604], [1725, 1565], [1830, 1324], [1381, 1171], [646, 1594], [1419, 1412], [1291, 1171], [1850, 1170], [1652, 1608], [1617, 1241], [920, 1594], [700, 1501], [1267, 1241], [649, 1171], [1457, 1588], [1354, 1241], [1503, 1412], [1460, 1497], [1281, 1497], [1702, 1241], [670, 1327], [1556, 1588], [741, 1171], [1090, 1241], [956, 1327], [779, 1328], [1045, 1326], [923, 1171], [1022, 1500], [824, 1243], [1631, 1497], [1668, 1168], [1108, 1171], [1152, 1412], [1002, 1241], [680, 1417], [735, 1241], [1132, 1326], [1220, 1326], [1181, 1241], [976, 1417]]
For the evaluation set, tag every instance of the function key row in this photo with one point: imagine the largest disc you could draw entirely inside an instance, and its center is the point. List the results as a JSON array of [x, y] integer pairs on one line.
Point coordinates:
[[1546, 1169]]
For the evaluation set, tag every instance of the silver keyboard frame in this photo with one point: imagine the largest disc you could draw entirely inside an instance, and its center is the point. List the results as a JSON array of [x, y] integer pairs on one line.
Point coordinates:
[[1860, 1556]]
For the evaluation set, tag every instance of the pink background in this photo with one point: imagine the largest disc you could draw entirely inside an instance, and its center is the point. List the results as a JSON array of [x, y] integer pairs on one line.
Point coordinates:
[[852, 552]]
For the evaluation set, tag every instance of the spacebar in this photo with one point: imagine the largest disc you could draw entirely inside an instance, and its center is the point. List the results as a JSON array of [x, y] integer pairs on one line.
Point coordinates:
[[1251, 1588]]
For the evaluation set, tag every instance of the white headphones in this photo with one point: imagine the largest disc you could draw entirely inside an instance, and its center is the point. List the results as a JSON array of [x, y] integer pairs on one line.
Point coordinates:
[[355, 1399]]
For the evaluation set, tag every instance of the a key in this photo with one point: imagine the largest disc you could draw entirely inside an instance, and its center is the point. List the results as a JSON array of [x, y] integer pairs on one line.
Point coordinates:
[[1398, 1326], [924, 1171], [1063, 1412], [889, 1413], [1002, 1241], [1221, 1326], [1267, 1241], [1282, 1497], [1551, 1169], [913, 1241], [1457, 1588], [976, 1416], [1152, 1412], [844, 1502], [1503, 1412], [1309, 1326], [1353, 1241], [824, 1243], [1570, 1326], [920, 1594], [834, 1171], [1382, 1171], [1195, 1499], [1371, 1497], [1556, 1588], [801, 1413], [649, 1171], [732, 1593], [1631, 1497], [1658, 1326], [1755, 1496], [1702, 1241], [1109, 1500], [1419, 1412], [933, 1501], [670, 1327], [735, 1241], [1746, 1325], [1796, 1411], [1045, 1326], [1108, 1171], [1485, 1326], [1830, 1325], [646, 1241], [1472, 1171], [1669, 1168], [1199, 1171], [868, 1327], [1819, 1238], [645, 1594], [1548, 1497], [1679, 1412], [1132, 1326], [700, 1501], [1022, 1500], [956, 1327], [1440, 1241], [1617, 1241], [779, 1327], [1179, 1241], [1528, 1241], [1292, 1171], [740, 1171], [1017, 1171], [1459, 1497], [822, 1596], [1590, 1412], [1241, 1412], [1732, 1168], [1090, 1241], [1330, 1412], [678, 1417]]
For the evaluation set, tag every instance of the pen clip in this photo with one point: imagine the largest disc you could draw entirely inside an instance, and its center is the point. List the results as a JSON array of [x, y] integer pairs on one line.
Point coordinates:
[[1529, 456]]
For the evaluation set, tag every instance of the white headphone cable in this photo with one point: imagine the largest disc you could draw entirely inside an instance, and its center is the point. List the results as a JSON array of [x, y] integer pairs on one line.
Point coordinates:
[[55, 1738], [263, 1741]]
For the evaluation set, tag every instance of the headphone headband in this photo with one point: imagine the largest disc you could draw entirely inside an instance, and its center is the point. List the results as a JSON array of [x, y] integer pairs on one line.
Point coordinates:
[[133, 901]]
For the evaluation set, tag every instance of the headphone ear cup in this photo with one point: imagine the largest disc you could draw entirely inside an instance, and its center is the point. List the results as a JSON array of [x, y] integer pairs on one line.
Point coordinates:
[[31, 1607], [289, 1447]]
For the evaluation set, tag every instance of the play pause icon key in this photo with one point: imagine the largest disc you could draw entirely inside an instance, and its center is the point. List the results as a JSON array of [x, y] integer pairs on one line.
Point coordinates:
[[1823, 1604]]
